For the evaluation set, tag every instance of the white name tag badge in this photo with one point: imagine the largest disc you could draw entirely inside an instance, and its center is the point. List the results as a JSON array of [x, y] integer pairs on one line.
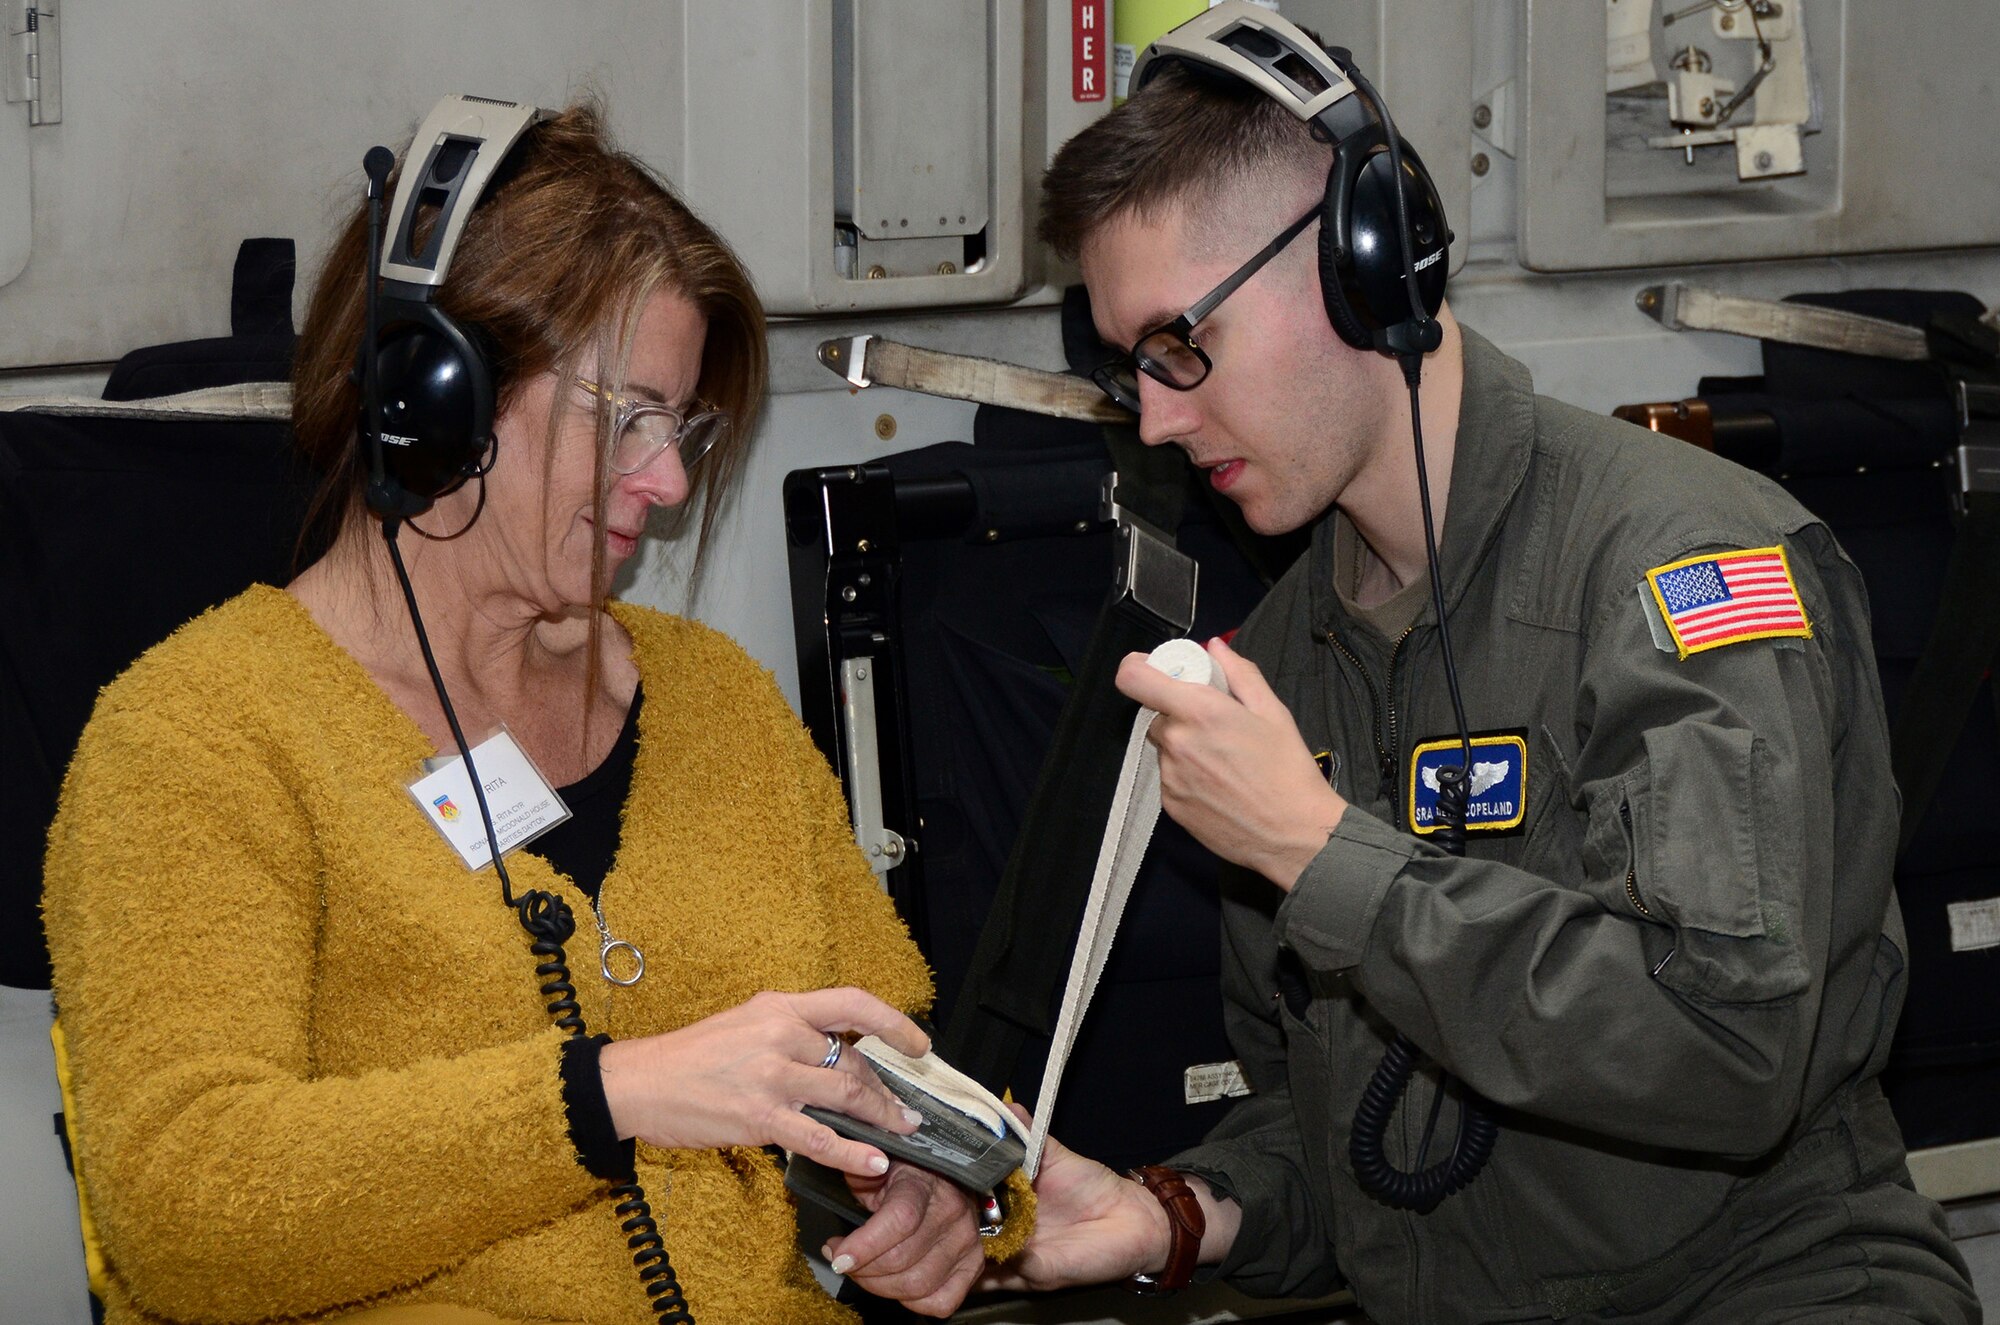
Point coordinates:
[[522, 803]]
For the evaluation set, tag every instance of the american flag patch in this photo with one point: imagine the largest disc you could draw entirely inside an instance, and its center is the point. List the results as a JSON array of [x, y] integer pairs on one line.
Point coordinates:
[[1728, 597]]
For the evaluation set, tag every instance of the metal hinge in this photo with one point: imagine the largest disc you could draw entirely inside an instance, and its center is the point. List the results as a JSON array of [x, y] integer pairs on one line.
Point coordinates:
[[34, 59]]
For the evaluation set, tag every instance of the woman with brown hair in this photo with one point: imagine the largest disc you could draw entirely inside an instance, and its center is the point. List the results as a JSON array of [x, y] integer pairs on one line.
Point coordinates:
[[314, 1071]]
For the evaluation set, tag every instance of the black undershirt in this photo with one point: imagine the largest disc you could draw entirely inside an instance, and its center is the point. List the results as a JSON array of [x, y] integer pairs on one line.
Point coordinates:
[[584, 847]]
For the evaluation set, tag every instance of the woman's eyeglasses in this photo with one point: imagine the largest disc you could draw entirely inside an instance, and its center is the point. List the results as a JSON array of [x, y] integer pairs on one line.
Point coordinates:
[[641, 429], [1168, 354]]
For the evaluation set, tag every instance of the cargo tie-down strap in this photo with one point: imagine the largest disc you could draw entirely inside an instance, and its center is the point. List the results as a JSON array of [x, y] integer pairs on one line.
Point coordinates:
[[1135, 809], [872, 361], [1679, 307], [265, 402]]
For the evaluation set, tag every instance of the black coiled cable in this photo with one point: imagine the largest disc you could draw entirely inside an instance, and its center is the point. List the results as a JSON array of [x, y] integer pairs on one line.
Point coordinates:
[[548, 919], [1422, 1190], [649, 1254], [1454, 791], [550, 924]]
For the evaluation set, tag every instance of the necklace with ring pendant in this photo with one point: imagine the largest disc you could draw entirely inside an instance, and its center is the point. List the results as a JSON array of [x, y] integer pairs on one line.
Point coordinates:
[[607, 945]]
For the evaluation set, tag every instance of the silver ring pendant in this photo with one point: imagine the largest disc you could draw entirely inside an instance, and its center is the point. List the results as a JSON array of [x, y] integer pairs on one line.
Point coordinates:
[[604, 962], [834, 1044]]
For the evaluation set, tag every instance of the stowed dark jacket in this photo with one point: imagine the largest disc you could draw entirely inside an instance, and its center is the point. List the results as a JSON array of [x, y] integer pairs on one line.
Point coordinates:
[[1675, 979]]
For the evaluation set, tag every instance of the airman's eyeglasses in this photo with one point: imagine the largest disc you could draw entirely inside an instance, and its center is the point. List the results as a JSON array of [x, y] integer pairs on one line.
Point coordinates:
[[1168, 354]]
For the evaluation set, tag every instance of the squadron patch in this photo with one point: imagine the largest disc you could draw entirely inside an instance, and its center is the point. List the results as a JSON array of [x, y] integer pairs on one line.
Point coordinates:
[[1499, 799], [1728, 597]]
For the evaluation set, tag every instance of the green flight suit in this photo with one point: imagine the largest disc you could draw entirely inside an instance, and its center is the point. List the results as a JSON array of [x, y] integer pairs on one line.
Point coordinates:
[[1675, 979]]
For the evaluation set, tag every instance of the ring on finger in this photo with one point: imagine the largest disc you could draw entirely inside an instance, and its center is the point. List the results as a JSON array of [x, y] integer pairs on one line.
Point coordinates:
[[834, 1044]]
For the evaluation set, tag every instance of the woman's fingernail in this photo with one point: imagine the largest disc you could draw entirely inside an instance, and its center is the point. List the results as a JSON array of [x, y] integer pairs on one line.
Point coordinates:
[[878, 1164], [842, 1264], [826, 1252], [912, 1117]]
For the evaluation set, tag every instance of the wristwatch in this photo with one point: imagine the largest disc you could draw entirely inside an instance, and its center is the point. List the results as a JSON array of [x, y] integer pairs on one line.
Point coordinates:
[[1186, 1224]]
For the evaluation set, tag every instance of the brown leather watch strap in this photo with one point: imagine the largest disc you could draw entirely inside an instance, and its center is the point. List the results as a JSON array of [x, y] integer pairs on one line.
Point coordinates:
[[1187, 1223]]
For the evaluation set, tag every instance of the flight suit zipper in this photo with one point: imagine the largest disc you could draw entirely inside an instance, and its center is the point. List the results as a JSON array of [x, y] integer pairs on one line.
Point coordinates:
[[1632, 870], [1395, 738], [1385, 767], [1380, 714]]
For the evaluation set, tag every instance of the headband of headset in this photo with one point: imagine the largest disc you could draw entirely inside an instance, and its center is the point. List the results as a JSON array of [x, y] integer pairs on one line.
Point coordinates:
[[433, 379], [461, 145], [1248, 43]]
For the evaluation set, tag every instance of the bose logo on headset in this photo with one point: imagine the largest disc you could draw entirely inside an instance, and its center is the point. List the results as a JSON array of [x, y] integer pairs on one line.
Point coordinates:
[[1375, 271], [433, 379]]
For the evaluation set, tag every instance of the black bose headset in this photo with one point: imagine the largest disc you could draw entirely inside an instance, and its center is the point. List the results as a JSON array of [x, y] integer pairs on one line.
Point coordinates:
[[428, 386], [1380, 292], [434, 378], [1382, 256]]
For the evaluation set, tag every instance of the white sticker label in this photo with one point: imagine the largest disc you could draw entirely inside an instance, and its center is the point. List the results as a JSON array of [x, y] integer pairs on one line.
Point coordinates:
[[1214, 1081], [523, 805], [1974, 925]]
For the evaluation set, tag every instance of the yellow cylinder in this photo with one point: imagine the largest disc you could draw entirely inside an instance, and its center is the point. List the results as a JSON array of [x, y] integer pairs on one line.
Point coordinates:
[[1135, 24]]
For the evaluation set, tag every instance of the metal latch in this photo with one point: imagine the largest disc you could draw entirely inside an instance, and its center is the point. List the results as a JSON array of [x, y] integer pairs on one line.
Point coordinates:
[[1152, 572], [34, 59]]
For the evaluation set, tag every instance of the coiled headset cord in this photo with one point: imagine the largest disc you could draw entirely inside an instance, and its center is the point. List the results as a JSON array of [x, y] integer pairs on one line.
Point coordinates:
[[550, 923], [1423, 1189]]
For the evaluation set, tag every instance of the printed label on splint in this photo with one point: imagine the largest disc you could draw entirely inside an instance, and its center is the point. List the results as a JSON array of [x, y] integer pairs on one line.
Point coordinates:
[[1974, 925], [1214, 1081]]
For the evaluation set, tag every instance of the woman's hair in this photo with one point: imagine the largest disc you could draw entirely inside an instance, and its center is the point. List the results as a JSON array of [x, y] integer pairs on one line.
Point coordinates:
[[554, 266]]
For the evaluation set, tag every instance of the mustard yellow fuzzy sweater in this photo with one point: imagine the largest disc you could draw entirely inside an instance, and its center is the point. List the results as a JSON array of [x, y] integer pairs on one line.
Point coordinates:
[[311, 1069]]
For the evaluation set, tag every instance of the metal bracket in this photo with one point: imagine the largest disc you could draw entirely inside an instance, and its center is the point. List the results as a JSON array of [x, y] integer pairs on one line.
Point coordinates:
[[1978, 456], [1978, 471], [883, 846], [33, 59], [1151, 571], [847, 356]]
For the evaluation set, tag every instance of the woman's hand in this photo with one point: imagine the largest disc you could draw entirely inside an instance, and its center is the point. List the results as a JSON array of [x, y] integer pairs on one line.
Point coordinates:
[[740, 1077]]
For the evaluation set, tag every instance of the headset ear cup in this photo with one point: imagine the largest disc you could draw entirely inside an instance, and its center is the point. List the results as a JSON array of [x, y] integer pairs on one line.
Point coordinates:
[[1427, 224], [437, 403], [1332, 271], [1375, 288]]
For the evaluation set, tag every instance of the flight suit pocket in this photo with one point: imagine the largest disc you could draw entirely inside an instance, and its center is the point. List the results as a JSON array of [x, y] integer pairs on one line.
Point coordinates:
[[1714, 853], [1309, 1076]]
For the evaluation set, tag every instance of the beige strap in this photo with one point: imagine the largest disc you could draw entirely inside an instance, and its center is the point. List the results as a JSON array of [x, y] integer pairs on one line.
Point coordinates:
[[872, 361], [1135, 809], [248, 402], [1679, 307]]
